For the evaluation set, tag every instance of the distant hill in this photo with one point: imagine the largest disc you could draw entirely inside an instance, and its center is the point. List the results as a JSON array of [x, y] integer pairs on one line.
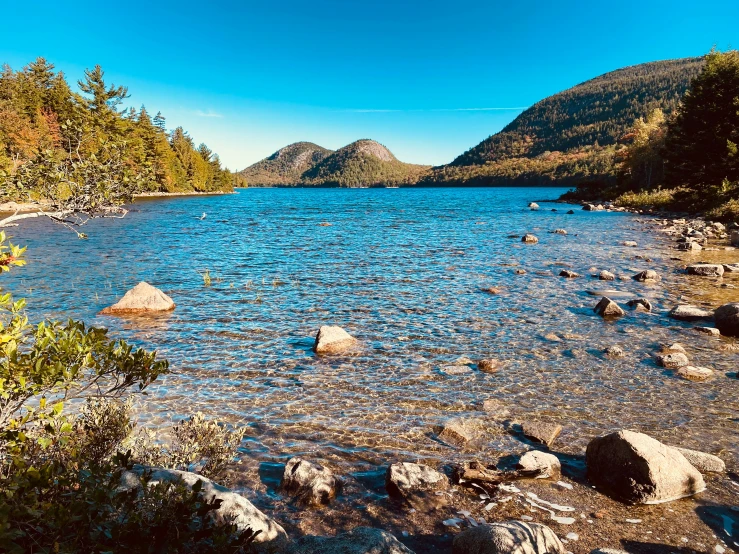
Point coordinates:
[[285, 166], [573, 135], [361, 163]]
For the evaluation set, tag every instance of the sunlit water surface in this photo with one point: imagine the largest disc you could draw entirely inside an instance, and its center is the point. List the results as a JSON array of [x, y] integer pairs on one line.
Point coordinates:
[[403, 271]]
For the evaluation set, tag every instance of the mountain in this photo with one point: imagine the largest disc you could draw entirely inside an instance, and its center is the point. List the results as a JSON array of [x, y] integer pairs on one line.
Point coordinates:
[[285, 166], [361, 163], [572, 135]]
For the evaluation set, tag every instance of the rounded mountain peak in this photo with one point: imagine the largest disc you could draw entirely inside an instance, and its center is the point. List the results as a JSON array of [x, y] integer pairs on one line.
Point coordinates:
[[371, 148]]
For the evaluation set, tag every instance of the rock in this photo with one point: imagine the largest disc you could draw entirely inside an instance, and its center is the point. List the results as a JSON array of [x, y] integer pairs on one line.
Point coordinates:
[[608, 308], [545, 433], [311, 484], [141, 299], [458, 431], [593, 207], [635, 468], [533, 205], [674, 347], [520, 272], [528, 238], [570, 212], [689, 246], [727, 319], [606, 276], [416, 484], [488, 365], [510, 537], [648, 275], [547, 464], [360, 540], [692, 373], [630, 243], [705, 463], [456, 369], [614, 352], [333, 340], [560, 232], [735, 238], [708, 331], [569, 274], [731, 268], [672, 360], [640, 305], [706, 270], [233, 509], [491, 290], [686, 312], [495, 407]]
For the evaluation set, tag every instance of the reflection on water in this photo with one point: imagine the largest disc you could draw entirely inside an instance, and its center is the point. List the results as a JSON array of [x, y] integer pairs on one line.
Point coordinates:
[[403, 271]]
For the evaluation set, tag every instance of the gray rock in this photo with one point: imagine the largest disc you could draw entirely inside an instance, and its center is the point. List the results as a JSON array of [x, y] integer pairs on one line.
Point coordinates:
[[234, 508], [569, 274], [606, 276], [529, 238], [638, 469], [693, 373], [674, 347], [703, 462], [614, 352], [727, 319], [141, 299], [511, 537], [648, 275], [547, 464], [458, 431], [708, 331], [706, 270], [361, 540], [310, 483], [560, 231], [539, 431], [488, 365], [630, 243], [672, 360], [416, 484], [608, 308], [333, 340], [691, 245], [686, 312], [640, 305]]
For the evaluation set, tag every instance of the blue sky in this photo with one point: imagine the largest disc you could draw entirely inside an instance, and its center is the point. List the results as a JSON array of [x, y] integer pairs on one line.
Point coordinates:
[[428, 79]]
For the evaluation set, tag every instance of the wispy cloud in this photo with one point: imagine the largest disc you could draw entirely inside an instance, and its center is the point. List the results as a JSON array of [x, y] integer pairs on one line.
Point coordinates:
[[209, 113], [487, 109]]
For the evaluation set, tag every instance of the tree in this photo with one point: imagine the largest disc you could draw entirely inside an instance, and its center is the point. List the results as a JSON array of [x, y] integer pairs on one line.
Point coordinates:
[[644, 162], [699, 141]]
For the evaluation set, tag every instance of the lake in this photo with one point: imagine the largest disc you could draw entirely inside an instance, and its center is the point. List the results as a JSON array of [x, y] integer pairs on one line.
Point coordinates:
[[403, 271]]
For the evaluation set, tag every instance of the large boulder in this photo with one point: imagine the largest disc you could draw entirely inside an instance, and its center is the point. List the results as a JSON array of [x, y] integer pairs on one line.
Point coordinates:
[[309, 483], [234, 509], [686, 312], [635, 468], [360, 540], [608, 308], [333, 340], [141, 299], [416, 484], [727, 319], [706, 270], [510, 537]]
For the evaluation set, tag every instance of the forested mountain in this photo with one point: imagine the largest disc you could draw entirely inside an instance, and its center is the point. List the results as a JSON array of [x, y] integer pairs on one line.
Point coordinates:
[[44, 124], [361, 163], [286, 165]]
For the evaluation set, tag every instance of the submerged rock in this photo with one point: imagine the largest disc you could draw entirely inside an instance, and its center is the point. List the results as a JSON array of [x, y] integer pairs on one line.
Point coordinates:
[[141, 299], [529, 238], [606, 276], [547, 464], [569, 274], [511, 537], [727, 319], [488, 365], [233, 509], [333, 340], [635, 468], [646, 276], [545, 433], [614, 351], [703, 462], [640, 305], [416, 484], [310, 483], [608, 308], [630, 243], [706, 270], [686, 312], [458, 431], [560, 231], [360, 540], [570, 212]]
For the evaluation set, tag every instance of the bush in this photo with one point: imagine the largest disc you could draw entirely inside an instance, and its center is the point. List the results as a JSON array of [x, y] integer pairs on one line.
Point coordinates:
[[659, 199]]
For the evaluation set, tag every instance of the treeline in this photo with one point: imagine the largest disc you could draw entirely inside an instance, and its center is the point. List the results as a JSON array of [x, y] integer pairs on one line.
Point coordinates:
[[44, 125], [688, 160]]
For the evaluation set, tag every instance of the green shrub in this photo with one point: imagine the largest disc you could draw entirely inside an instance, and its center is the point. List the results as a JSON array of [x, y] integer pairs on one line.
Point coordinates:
[[660, 199]]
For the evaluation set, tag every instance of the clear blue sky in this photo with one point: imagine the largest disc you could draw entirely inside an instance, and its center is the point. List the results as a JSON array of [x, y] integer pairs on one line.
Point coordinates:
[[428, 79]]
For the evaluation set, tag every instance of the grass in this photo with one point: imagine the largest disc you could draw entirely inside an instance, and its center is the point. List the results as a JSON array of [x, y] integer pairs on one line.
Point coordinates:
[[662, 198]]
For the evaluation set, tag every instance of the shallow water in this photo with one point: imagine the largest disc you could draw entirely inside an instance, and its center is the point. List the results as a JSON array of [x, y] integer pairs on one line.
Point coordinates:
[[402, 270]]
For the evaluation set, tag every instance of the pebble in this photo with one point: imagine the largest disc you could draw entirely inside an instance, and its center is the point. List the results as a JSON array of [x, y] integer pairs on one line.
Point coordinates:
[[572, 536], [565, 485], [633, 521]]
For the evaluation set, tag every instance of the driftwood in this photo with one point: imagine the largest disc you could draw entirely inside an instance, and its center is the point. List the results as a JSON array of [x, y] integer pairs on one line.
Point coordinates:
[[478, 475]]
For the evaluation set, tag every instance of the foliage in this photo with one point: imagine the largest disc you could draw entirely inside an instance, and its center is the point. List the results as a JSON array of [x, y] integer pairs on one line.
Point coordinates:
[[647, 199], [643, 164], [60, 473], [57, 145]]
